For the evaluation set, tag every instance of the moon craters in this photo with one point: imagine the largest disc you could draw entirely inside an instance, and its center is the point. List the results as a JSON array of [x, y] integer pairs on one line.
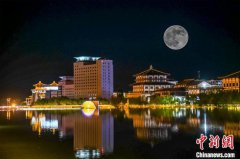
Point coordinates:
[[175, 37]]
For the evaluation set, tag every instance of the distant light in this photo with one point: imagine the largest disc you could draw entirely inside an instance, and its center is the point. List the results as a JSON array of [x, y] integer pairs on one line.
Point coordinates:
[[88, 108], [86, 58], [13, 104], [204, 85], [53, 88]]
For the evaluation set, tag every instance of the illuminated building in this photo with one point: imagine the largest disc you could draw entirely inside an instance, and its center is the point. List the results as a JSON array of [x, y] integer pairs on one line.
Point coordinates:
[[216, 83], [93, 77], [148, 81], [44, 91], [195, 86], [184, 83], [231, 82], [66, 86], [29, 101]]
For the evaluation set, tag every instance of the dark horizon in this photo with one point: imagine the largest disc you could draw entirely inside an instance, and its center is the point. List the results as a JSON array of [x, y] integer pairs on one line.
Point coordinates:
[[40, 38]]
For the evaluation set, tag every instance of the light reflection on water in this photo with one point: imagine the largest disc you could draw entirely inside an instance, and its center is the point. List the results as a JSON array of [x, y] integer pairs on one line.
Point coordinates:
[[93, 134], [92, 131]]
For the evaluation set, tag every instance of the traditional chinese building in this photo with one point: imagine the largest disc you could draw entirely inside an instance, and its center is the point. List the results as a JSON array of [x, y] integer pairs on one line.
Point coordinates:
[[44, 91], [148, 81], [196, 86], [231, 82]]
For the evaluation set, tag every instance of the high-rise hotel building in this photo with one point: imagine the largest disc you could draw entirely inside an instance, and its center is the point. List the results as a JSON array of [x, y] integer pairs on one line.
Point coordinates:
[[93, 77]]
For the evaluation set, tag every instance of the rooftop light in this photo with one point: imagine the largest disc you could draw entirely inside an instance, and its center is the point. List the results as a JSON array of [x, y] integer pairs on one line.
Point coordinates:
[[86, 58]]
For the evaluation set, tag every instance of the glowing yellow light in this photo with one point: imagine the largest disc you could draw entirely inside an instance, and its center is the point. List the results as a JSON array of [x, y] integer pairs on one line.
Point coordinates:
[[8, 115], [89, 105], [88, 112]]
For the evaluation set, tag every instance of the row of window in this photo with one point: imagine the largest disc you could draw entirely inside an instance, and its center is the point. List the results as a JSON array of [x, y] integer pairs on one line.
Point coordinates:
[[84, 67], [161, 80], [231, 84], [151, 76], [88, 80], [84, 74], [152, 87], [86, 86]]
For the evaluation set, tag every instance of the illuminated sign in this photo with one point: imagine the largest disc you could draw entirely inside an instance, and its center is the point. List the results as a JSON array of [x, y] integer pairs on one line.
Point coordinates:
[[52, 88], [86, 58]]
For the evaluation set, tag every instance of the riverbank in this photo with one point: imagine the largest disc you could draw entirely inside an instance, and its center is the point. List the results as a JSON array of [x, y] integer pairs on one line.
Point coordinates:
[[130, 106], [60, 107], [159, 106]]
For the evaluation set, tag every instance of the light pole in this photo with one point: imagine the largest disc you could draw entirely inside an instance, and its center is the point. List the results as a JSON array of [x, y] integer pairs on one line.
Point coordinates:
[[8, 101]]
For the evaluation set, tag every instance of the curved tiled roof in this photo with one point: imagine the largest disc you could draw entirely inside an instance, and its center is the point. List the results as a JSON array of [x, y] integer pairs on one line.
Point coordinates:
[[153, 83], [232, 75], [152, 71], [39, 84]]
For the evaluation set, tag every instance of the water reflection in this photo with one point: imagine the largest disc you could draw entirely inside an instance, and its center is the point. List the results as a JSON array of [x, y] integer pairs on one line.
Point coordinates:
[[93, 135], [154, 126], [45, 122], [232, 128], [91, 132], [149, 128]]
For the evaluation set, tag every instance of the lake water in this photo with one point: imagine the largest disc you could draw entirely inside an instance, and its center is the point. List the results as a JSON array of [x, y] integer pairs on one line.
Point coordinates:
[[120, 134]]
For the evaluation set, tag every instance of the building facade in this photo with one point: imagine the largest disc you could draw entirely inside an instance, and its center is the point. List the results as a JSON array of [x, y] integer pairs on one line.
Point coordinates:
[[45, 91], [93, 77], [231, 82], [148, 81], [196, 86], [66, 86]]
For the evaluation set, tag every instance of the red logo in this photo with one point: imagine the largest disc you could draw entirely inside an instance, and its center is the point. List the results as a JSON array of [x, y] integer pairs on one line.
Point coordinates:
[[227, 141]]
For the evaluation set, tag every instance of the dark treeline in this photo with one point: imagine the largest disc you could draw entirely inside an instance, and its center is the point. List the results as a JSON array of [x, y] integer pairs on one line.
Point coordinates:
[[65, 101], [230, 97]]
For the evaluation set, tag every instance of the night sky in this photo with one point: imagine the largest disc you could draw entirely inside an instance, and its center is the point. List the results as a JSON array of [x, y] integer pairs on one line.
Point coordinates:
[[38, 39]]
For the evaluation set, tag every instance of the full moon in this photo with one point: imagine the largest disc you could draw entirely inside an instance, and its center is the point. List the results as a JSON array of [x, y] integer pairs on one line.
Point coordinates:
[[175, 37]]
